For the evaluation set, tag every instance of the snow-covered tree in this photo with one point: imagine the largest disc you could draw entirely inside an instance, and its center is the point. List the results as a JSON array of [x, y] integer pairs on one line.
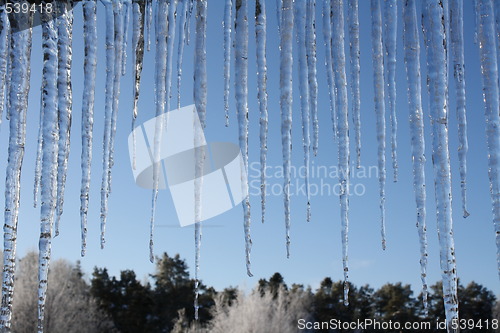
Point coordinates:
[[69, 306]]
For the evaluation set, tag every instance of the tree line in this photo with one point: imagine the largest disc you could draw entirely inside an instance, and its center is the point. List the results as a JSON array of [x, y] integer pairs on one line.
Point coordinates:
[[164, 303]]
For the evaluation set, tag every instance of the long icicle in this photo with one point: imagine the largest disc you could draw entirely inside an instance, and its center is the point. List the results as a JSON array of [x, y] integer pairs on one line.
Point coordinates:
[[4, 55], [161, 33], [172, 7], [343, 132], [138, 15], [412, 61], [300, 28], [65, 102], [20, 55], [148, 19], [50, 145], [260, 39], [126, 21], [353, 21], [118, 50], [200, 98], [312, 71], [446, 15], [7, 83], [457, 48], [38, 158], [187, 26], [168, 52], [286, 100], [488, 52], [279, 4], [228, 7], [180, 48], [435, 41], [108, 111], [88, 99], [391, 27], [327, 36], [118, 13], [378, 83], [496, 9], [241, 94]]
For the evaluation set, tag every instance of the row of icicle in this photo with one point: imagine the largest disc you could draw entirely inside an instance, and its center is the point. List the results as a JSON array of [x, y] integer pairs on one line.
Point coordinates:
[[442, 25]]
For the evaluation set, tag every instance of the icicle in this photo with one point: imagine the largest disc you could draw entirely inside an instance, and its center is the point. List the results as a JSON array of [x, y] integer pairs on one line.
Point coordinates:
[[138, 11], [496, 9], [49, 180], [126, 22], [119, 34], [391, 26], [241, 94], [198, 183], [311, 67], [343, 131], [412, 61], [4, 53], [488, 50], [475, 5], [90, 67], [148, 20], [172, 6], [65, 102], [327, 35], [197, 237], [200, 157], [180, 50], [161, 32], [286, 100], [279, 5], [169, 34], [378, 82], [108, 111], [7, 84], [446, 15], [300, 28], [38, 161], [200, 60], [260, 40], [435, 41], [188, 20], [457, 45], [114, 35], [353, 21], [227, 52], [20, 53], [200, 98]]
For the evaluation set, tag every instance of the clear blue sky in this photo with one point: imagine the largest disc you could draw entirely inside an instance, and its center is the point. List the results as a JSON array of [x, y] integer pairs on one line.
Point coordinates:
[[316, 246]]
